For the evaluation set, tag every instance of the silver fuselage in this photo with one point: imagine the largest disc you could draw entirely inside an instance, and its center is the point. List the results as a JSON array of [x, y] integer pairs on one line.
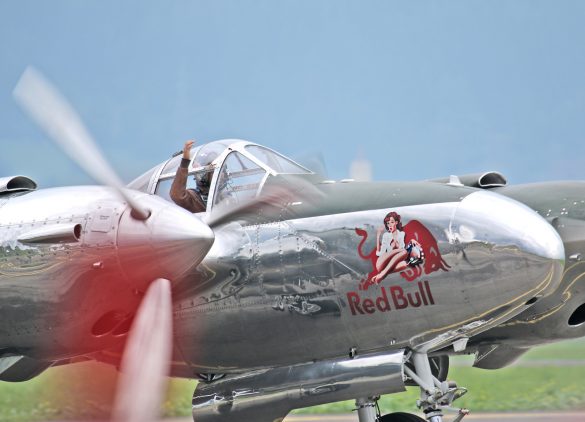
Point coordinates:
[[276, 288], [560, 315]]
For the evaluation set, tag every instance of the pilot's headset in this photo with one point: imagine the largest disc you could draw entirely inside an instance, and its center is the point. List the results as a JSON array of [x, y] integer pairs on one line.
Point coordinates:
[[204, 159]]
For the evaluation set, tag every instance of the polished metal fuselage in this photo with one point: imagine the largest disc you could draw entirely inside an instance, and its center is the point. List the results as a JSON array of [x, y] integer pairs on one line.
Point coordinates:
[[276, 288], [560, 315], [276, 291], [64, 298], [269, 395], [44, 296]]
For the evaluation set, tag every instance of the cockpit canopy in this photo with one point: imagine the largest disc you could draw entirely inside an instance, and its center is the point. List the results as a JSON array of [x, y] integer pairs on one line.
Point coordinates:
[[233, 170]]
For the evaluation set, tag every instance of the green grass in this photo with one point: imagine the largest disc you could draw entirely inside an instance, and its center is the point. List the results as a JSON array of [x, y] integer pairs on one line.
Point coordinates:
[[78, 392], [85, 390], [567, 350], [508, 389]]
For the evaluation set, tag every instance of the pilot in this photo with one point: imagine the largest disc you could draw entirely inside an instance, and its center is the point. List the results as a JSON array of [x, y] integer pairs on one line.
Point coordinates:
[[193, 200]]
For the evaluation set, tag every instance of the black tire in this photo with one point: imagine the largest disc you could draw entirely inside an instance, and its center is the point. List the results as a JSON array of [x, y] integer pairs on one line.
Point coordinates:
[[401, 417]]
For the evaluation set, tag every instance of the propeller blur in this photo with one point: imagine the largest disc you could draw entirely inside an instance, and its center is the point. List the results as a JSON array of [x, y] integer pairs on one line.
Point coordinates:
[[145, 364]]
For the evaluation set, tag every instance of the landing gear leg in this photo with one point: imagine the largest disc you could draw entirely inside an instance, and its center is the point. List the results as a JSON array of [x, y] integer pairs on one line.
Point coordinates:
[[366, 409], [434, 394]]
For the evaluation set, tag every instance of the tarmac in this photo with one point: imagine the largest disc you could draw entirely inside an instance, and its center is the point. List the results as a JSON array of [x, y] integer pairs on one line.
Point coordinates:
[[473, 417], [479, 417]]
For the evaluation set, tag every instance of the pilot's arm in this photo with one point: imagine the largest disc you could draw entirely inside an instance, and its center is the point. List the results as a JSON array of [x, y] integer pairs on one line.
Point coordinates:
[[186, 198]]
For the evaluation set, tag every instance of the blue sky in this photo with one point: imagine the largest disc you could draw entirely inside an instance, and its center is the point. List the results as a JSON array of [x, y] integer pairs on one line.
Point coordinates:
[[420, 88]]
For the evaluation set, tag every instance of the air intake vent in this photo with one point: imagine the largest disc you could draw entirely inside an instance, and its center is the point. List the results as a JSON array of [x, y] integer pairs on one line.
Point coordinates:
[[492, 179], [16, 184], [577, 317], [487, 180], [56, 233]]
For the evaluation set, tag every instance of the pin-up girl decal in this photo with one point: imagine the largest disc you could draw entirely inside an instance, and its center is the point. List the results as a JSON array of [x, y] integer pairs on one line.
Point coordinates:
[[407, 249], [393, 254]]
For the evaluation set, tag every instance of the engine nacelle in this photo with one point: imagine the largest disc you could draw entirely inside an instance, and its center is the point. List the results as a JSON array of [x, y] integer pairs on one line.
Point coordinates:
[[269, 395]]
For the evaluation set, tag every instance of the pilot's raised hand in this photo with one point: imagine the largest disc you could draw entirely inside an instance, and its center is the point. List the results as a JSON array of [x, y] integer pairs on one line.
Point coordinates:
[[187, 149], [186, 198]]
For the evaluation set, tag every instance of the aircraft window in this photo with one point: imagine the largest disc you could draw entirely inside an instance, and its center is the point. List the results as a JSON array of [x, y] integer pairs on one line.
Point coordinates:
[[207, 153], [141, 182], [163, 189], [239, 179], [277, 162], [172, 165]]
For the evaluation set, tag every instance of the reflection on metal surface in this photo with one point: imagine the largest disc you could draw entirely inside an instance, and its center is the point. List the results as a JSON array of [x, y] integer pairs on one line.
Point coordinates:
[[57, 233], [172, 236], [265, 396], [500, 221], [539, 313], [84, 258], [306, 305], [307, 272]]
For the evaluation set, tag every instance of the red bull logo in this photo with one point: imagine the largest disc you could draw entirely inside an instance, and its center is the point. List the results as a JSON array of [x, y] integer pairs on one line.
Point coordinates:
[[410, 250], [391, 298]]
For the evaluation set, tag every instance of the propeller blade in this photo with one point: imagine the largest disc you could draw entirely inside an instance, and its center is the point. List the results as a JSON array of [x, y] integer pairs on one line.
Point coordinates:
[[274, 201], [51, 111], [145, 363]]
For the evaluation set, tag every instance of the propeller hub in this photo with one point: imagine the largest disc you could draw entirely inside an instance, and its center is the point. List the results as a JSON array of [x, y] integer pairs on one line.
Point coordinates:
[[167, 244]]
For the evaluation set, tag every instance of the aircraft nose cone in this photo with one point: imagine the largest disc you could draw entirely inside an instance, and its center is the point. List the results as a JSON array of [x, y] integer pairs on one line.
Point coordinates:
[[166, 245], [180, 239], [525, 252]]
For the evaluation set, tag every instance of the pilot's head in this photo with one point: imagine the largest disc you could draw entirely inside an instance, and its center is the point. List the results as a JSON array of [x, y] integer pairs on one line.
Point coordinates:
[[203, 178]]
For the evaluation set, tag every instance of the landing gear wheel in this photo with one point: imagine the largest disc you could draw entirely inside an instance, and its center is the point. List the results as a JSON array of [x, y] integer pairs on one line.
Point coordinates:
[[400, 417]]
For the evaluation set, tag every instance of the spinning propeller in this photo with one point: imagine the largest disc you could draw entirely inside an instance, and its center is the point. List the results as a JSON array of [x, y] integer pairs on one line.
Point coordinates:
[[168, 239], [145, 361], [156, 240], [51, 111]]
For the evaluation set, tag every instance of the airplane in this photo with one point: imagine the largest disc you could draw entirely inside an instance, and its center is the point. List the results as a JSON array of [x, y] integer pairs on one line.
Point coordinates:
[[289, 290]]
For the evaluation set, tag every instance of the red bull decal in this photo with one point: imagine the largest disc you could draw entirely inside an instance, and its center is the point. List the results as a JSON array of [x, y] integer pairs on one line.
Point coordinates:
[[408, 249], [391, 298]]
